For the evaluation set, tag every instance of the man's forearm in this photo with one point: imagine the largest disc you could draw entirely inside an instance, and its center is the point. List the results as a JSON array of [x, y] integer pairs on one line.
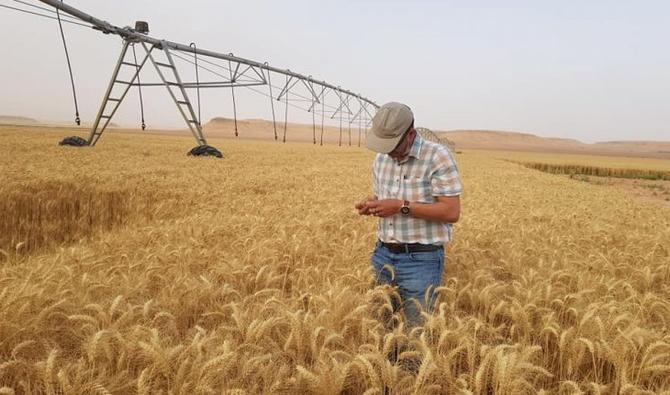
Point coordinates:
[[445, 209], [438, 211]]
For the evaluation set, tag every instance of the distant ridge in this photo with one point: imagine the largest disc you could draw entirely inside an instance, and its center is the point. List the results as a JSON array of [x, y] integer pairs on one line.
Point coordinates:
[[641, 142], [217, 120], [262, 129], [17, 120], [522, 141], [481, 139], [464, 139]]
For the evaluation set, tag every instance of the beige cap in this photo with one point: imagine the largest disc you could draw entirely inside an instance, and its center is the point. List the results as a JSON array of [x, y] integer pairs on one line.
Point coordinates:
[[389, 124]]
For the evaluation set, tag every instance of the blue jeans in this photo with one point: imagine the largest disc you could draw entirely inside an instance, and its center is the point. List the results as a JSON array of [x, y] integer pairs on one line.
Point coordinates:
[[416, 275]]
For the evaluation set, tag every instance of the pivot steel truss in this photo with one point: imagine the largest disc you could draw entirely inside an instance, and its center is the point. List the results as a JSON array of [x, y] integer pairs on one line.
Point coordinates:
[[431, 136], [174, 86], [229, 71]]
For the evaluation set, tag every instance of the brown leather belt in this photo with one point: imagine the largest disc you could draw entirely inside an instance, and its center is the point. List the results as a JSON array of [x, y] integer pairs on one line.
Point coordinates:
[[403, 248]]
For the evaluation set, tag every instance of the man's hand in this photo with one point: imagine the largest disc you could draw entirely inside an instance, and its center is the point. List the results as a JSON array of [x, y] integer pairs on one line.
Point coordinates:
[[362, 206], [384, 208]]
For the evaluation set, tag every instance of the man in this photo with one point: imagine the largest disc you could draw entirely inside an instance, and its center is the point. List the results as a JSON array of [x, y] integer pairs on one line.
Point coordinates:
[[417, 199]]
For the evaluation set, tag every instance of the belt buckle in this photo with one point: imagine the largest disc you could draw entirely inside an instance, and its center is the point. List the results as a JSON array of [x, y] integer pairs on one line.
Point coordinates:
[[400, 248], [397, 248]]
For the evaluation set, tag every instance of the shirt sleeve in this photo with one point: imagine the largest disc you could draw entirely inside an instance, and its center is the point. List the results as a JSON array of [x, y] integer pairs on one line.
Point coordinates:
[[445, 180], [375, 180]]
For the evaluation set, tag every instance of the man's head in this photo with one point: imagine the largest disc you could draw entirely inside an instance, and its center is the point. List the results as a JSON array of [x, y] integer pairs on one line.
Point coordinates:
[[390, 124], [401, 150]]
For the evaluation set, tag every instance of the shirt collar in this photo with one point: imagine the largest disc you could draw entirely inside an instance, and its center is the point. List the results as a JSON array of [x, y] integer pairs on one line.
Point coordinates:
[[415, 149]]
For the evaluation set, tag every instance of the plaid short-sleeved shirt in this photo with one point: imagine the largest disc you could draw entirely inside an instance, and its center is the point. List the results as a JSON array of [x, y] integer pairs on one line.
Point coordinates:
[[427, 172]]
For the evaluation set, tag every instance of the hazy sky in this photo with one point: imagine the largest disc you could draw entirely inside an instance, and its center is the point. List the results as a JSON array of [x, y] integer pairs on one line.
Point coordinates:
[[590, 70]]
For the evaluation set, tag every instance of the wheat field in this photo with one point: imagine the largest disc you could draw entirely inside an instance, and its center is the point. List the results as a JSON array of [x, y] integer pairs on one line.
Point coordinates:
[[132, 268], [597, 171], [601, 161]]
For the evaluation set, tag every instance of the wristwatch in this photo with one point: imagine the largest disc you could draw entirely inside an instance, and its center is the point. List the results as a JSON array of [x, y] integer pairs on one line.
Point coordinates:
[[404, 210]]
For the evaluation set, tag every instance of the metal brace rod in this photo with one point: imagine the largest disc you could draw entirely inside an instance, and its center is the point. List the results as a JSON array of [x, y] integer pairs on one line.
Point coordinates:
[[193, 85], [346, 103], [365, 107], [234, 74], [94, 136], [311, 90], [287, 87], [338, 108], [194, 120], [349, 118], [342, 104], [112, 82], [321, 95], [132, 35], [238, 80], [360, 110], [260, 73], [192, 123], [272, 104]]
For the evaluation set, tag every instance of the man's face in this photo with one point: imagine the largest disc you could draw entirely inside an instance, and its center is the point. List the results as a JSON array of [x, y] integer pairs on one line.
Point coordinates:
[[403, 147]]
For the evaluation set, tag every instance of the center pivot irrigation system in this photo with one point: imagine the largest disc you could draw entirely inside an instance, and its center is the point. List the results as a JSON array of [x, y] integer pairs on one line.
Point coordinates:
[[321, 99]]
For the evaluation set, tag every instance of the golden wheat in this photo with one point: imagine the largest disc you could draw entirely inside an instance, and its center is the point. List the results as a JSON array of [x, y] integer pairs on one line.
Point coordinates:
[[574, 169], [132, 268]]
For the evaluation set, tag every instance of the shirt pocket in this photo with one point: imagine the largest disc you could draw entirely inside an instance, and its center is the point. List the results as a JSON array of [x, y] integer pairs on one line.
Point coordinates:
[[416, 189]]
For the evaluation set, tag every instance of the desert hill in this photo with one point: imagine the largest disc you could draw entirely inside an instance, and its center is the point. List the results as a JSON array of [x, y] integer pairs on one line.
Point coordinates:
[[464, 139], [16, 120], [262, 129], [515, 141]]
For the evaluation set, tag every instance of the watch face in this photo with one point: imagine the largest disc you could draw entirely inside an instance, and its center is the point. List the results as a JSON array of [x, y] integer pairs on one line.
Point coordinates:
[[404, 210]]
